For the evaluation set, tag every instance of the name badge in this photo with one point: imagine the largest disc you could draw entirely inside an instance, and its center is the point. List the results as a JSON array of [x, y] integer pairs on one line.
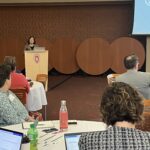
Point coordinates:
[[11, 97]]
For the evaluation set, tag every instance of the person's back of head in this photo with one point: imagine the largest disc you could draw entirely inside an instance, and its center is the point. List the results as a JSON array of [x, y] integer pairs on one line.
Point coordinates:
[[131, 61], [120, 102], [11, 61], [5, 71]]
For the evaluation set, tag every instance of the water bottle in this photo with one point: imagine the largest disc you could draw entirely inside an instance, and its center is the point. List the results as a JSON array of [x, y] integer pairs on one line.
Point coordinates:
[[63, 116], [33, 136]]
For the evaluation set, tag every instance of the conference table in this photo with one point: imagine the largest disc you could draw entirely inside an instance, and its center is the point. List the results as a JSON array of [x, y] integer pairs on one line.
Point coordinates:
[[55, 140], [36, 97]]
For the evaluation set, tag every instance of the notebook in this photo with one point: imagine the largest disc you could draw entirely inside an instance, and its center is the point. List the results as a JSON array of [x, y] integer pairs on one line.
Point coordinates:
[[71, 141], [10, 140]]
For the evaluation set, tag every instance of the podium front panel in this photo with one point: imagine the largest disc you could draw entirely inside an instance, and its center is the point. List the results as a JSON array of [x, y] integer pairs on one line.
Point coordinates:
[[36, 62]]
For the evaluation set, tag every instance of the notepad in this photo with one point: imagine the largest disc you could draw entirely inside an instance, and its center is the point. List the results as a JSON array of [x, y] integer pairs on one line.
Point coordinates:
[[41, 124]]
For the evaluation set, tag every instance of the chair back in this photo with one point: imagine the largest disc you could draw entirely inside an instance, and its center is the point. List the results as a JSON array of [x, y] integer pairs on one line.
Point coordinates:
[[112, 78], [21, 94], [145, 125], [42, 78], [147, 103]]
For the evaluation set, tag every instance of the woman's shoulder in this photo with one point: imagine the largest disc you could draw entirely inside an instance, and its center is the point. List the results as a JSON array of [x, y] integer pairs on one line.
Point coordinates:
[[133, 132], [93, 135], [116, 131], [3, 95]]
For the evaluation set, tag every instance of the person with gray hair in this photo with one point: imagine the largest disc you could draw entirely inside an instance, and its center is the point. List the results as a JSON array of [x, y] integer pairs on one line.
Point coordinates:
[[137, 79]]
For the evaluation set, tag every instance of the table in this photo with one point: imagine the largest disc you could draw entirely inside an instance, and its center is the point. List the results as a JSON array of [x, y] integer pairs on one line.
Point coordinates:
[[59, 144], [36, 97]]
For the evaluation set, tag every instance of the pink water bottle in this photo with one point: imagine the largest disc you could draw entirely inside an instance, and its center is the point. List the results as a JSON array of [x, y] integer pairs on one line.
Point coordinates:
[[63, 116]]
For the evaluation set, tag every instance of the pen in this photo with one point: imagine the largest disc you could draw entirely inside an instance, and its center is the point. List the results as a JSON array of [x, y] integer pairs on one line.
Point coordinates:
[[49, 137], [56, 139], [42, 135]]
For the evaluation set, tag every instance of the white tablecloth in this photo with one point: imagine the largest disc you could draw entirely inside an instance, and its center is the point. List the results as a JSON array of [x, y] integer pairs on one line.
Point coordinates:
[[36, 98], [59, 144]]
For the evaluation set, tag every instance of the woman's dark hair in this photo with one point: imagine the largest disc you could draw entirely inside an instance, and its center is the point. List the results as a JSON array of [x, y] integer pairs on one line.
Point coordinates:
[[130, 61], [5, 71], [121, 102], [11, 61], [30, 38]]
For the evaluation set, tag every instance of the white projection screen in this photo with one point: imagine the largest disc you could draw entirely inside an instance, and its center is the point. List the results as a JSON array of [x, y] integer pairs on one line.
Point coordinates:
[[141, 24]]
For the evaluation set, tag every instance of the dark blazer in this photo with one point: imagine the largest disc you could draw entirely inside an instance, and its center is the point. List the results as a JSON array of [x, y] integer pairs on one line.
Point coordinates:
[[29, 48]]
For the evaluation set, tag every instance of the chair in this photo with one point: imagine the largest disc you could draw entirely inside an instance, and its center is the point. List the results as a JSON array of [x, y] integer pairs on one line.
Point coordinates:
[[43, 79], [145, 125], [111, 78], [147, 103], [20, 93]]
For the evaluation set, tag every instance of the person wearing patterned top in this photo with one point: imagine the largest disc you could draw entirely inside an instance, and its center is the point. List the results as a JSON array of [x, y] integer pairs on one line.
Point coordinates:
[[121, 108], [12, 110]]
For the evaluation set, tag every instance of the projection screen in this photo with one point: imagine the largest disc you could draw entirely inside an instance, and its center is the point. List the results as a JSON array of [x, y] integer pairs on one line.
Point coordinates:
[[141, 24]]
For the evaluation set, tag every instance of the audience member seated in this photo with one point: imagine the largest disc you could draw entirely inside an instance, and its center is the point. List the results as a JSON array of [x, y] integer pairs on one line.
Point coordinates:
[[31, 44], [18, 80], [11, 109], [137, 79], [121, 108]]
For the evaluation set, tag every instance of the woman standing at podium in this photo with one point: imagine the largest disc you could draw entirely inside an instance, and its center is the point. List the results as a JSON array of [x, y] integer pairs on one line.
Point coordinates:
[[31, 44]]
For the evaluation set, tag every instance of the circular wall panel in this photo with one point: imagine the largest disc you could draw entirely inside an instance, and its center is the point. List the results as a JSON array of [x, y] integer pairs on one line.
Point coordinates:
[[64, 55], [93, 56], [122, 47]]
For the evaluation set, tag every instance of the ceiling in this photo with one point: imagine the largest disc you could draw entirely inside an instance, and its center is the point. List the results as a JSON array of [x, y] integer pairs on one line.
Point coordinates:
[[55, 1]]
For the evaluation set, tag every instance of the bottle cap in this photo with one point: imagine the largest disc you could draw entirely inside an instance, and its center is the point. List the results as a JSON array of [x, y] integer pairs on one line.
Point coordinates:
[[63, 102]]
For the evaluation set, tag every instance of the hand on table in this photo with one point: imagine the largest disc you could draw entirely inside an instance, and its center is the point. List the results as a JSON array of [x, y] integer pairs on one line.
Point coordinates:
[[30, 119]]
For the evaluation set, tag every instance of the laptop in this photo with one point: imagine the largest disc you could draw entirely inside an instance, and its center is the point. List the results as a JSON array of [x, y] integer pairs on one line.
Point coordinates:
[[71, 141], [10, 140], [39, 48]]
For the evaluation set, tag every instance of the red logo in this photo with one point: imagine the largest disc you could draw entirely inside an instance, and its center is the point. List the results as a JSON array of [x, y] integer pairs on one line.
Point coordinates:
[[36, 58]]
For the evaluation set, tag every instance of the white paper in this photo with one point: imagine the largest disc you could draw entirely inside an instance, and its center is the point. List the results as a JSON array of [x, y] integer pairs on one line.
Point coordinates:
[[41, 124]]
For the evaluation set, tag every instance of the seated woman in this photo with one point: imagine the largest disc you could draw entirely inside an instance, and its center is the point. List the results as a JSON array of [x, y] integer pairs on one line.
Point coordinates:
[[31, 44], [121, 107], [11, 109], [18, 80]]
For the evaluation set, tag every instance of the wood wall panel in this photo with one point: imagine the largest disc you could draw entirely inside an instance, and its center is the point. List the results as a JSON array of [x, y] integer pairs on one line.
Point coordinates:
[[93, 56], [64, 55], [79, 22], [52, 22], [12, 47], [122, 47]]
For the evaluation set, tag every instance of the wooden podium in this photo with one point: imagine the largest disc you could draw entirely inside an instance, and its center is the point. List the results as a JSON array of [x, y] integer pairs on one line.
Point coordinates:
[[36, 62]]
